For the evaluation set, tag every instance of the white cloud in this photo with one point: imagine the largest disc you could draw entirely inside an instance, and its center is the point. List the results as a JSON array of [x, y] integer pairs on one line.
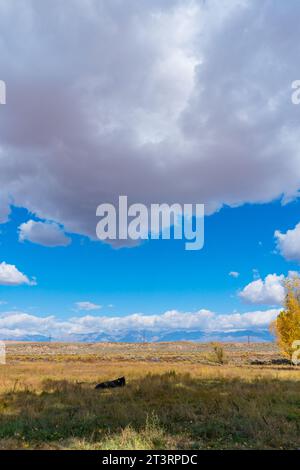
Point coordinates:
[[178, 90], [18, 324], [43, 233], [87, 306], [269, 291], [288, 243], [234, 274], [11, 276]]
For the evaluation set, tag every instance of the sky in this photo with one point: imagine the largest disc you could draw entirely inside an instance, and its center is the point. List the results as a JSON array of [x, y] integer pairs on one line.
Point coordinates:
[[165, 101]]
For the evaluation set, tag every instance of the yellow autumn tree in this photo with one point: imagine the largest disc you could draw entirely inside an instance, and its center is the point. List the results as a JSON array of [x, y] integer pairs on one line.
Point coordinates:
[[287, 325]]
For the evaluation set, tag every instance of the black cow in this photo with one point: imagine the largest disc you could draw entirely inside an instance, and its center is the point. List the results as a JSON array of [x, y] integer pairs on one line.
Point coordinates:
[[120, 382]]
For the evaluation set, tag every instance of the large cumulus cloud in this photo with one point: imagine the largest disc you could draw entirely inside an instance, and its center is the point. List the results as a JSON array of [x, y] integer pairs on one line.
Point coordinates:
[[162, 100]]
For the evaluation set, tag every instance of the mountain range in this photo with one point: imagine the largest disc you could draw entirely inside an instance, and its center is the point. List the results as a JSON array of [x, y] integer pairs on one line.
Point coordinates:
[[139, 336]]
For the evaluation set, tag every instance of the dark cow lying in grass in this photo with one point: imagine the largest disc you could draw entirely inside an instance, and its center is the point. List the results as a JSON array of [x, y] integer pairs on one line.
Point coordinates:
[[121, 382]]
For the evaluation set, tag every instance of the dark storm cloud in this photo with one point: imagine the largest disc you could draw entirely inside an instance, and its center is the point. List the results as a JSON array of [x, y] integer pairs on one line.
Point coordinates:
[[164, 101]]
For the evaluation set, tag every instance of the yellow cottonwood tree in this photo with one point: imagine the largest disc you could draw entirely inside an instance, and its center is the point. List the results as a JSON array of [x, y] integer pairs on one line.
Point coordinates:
[[287, 325]]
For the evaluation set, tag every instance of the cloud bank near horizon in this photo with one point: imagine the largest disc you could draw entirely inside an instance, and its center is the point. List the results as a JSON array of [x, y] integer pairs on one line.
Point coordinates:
[[14, 325]]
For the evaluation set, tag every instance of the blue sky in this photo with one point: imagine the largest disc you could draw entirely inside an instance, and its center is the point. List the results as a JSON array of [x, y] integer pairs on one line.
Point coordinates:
[[182, 101], [155, 277]]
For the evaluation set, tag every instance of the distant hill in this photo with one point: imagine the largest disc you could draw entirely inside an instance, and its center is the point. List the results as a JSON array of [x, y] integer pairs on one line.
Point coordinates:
[[138, 336]]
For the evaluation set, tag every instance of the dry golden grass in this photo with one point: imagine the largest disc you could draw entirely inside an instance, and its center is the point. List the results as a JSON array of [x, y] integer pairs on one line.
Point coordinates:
[[48, 400]]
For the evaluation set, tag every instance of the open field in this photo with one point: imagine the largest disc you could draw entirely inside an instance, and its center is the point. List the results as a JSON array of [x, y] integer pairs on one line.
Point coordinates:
[[178, 397]]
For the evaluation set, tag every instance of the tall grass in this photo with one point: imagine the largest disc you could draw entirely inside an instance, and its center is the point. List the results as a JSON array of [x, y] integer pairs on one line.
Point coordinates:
[[208, 407]]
